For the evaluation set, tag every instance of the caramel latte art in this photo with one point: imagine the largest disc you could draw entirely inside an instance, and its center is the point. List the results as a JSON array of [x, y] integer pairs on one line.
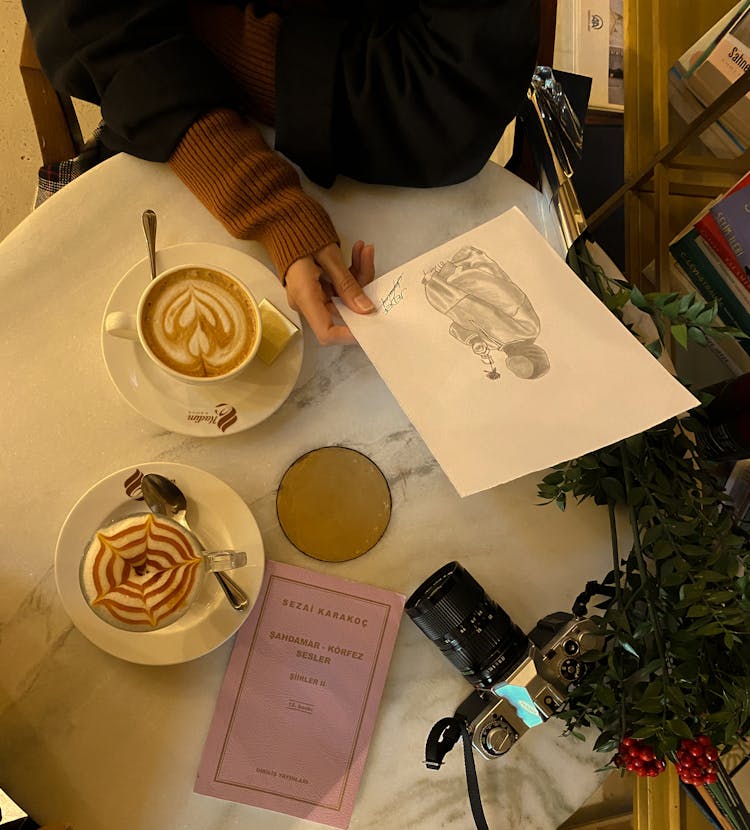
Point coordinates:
[[141, 573], [199, 322]]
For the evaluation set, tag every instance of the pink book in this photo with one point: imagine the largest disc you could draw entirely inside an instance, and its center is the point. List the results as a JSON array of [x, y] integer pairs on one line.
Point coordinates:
[[297, 707]]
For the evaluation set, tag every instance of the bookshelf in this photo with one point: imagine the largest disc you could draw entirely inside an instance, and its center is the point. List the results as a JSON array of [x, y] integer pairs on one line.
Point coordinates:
[[669, 176], [668, 185]]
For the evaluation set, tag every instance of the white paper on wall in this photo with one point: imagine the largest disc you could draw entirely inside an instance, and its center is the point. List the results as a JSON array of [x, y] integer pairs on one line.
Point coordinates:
[[504, 361]]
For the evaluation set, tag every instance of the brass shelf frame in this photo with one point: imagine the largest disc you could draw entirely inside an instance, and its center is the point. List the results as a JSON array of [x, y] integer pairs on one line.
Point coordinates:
[[666, 181]]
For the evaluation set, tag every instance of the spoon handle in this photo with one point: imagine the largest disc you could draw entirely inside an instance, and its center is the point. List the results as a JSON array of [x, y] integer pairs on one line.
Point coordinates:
[[236, 596], [149, 227]]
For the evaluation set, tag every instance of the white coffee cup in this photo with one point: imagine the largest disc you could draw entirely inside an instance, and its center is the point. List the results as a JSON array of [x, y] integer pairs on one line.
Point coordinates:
[[143, 572], [197, 323]]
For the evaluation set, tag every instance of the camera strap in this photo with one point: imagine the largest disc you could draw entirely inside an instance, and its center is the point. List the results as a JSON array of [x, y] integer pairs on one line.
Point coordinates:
[[442, 738]]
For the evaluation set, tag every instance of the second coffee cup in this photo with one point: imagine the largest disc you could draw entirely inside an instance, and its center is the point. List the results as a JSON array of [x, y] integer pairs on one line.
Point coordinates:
[[197, 323]]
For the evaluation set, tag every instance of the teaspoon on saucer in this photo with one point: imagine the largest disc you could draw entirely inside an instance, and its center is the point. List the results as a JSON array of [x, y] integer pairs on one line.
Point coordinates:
[[149, 227], [165, 497]]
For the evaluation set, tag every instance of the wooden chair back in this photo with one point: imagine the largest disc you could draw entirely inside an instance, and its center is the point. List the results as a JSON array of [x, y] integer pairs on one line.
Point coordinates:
[[55, 119]]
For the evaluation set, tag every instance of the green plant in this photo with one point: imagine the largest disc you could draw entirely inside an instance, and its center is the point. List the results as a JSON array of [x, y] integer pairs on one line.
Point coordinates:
[[676, 659]]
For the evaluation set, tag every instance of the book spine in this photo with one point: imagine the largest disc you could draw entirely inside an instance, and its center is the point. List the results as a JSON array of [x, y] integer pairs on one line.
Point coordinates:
[[725, 274], [711, 233], [732, 217], [702, 274]]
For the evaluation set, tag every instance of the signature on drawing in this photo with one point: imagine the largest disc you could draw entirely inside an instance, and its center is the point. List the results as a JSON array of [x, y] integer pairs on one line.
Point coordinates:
[[394, 296]]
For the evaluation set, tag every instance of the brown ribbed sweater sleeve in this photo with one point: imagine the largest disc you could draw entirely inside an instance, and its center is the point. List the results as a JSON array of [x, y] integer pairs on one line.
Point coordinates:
[[252, 190], [246, 46]]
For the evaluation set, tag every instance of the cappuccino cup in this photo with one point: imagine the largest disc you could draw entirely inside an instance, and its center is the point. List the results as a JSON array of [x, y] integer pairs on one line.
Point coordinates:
[[195, 322], [143, 572]]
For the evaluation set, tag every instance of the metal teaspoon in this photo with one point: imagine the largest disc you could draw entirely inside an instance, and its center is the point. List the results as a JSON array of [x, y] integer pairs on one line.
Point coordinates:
[[149, 227], [165, 497]]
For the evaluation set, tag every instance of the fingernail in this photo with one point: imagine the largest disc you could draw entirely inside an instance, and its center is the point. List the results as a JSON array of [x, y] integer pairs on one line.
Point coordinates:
[[364, 303]]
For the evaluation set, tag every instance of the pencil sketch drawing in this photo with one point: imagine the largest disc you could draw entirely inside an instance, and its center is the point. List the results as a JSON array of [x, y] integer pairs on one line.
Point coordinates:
[[489, 313]]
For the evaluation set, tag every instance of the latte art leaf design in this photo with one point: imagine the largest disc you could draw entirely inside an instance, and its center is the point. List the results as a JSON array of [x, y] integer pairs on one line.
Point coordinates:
[[141, 573], [200, 325]]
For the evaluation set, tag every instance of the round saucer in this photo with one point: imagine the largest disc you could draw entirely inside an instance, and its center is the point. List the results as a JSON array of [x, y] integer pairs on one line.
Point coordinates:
[[221, 408], [220, 519]]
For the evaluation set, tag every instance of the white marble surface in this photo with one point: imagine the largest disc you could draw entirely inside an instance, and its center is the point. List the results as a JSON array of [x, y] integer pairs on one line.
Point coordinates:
[[105, 744]]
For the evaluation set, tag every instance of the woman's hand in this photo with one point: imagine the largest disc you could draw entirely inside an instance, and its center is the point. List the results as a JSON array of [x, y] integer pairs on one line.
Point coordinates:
[[312, 282]]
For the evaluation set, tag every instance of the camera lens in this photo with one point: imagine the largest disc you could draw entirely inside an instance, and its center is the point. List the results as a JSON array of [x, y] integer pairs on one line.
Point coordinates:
[[473, 632]]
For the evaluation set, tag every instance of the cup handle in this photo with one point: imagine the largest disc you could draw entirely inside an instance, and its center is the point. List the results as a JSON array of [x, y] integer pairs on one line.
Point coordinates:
[[121, 324], [224, 560]]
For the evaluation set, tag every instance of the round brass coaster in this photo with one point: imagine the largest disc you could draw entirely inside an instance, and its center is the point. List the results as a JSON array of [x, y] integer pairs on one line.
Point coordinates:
[[333, 504]]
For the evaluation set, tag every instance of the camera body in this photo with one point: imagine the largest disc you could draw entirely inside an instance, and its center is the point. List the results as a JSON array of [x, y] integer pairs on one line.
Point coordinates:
[[534, 689], [520, 680]]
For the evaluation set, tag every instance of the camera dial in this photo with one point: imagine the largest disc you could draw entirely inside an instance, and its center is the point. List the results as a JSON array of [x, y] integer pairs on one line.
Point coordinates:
[[498, 737], [571, 669]]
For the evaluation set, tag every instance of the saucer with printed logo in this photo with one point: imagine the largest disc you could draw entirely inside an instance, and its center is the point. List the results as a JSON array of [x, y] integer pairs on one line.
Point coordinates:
[[220, 408], [219, 518]]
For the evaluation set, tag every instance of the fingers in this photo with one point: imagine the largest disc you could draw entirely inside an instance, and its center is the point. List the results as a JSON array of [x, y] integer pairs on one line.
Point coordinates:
[[344, 281], [306, 295], [363, 262]]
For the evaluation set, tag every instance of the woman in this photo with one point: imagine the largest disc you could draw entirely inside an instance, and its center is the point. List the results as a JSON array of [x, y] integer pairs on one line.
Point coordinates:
[[401, 92]]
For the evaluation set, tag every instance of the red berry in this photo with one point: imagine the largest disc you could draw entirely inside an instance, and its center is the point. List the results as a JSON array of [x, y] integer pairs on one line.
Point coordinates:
[[712, 753], [688, 762], [704, 739], [628, 741], [696, 750], [618, 760], [711, 778]]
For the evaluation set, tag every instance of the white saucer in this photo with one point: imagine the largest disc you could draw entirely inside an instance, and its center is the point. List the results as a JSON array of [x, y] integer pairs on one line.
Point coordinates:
[[224, 407], [220, 519]]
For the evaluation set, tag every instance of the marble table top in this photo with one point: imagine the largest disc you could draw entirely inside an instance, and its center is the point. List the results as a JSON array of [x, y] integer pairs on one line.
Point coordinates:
[[103, 743]]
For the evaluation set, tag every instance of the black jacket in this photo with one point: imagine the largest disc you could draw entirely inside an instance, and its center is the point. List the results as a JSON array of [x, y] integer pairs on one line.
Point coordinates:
[[405, 92]]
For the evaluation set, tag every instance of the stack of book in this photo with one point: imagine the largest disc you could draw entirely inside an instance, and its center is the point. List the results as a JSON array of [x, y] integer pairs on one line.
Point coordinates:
[[707, 69], [713, 255]]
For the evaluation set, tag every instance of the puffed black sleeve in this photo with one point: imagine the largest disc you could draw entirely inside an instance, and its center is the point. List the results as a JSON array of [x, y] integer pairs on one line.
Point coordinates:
[[137, 60], [417, 95]]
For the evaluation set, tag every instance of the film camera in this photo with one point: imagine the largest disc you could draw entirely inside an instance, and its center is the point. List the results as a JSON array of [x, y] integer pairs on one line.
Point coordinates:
[[519, 680]]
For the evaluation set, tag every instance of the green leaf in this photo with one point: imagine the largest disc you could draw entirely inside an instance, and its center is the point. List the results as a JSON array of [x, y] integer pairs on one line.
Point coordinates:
[[721, 596], [705, 318], [679, 728], [686, 301], [613, 488], [680, 334], [638, 300], [710, 630], [671, 309], [655, 348], [605, 695], [646, 513], [636, 495], [588, 462], [698, 611], [606, 742], [661, 549], [557, 477], [697, 335]]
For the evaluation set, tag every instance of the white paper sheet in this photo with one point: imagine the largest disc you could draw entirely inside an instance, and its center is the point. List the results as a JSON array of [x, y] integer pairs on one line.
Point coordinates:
[[504, 361]]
